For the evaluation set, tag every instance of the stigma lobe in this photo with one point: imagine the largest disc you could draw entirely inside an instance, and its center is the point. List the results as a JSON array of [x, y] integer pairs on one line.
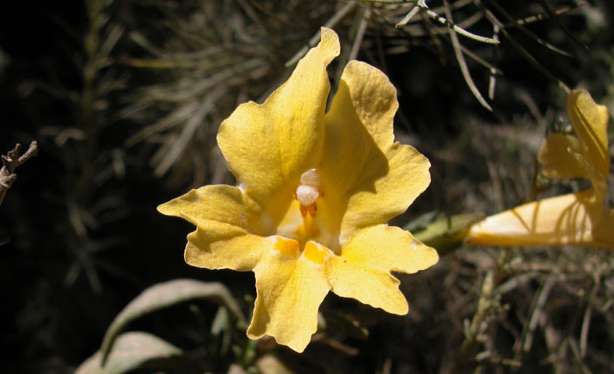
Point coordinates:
[[307, 193]]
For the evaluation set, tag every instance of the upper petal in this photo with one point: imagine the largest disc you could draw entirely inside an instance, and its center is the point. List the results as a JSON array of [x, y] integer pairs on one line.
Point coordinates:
[[362, 271], [269, 145], [388, 196], [367, 178], [590, 122], [290, 288], [561, 156], [566, 219]]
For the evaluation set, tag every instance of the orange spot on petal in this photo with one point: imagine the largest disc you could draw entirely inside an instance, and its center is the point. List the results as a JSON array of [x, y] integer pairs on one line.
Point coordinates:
[[287, 247], [315, 252]]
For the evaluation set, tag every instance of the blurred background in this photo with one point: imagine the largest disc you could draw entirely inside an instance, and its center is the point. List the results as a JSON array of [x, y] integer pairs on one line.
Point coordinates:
[[125, 98]]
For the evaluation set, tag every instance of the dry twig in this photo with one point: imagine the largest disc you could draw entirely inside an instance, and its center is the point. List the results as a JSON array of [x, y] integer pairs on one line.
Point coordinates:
[[461, 60], [11, 161]]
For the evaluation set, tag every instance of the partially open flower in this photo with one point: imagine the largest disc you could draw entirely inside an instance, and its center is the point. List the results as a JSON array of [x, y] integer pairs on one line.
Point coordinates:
[[580, 218], [317, 189]]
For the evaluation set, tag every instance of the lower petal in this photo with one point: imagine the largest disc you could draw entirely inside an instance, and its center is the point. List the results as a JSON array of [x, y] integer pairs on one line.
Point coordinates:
[[389, 248], [362, 271], [290, 288], [369, 286]]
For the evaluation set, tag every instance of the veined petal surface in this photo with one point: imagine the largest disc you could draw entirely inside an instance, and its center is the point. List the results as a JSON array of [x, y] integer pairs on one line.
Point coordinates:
[[566, 219], [368, 179]]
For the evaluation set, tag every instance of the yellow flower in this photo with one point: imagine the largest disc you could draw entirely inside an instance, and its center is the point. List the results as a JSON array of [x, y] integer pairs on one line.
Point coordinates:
[[316, 189], [580, 218]]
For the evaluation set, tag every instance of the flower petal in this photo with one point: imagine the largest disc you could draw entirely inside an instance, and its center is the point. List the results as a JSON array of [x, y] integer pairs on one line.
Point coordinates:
[[221, 204], [407, 177], [224, 247], [364, 173], [370, 286], [290, 288], [226, 220], [362, 271], [561, 157], [269, 145], [590, 122], [566, 219]]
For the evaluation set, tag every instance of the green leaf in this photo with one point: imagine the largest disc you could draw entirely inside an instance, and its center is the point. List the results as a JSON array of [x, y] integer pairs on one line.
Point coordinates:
[[164, 295], [131, 351], [446, 233]]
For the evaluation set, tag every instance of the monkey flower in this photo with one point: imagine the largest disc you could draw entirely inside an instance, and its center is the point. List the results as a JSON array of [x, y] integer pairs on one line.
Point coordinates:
[[581, 218], [315, 190]]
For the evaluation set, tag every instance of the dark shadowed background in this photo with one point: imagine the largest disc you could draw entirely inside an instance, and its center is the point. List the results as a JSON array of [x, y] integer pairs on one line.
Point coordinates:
[[124, 99]]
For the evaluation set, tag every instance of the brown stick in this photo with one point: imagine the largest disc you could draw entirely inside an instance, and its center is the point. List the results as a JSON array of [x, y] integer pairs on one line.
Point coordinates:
[[11, 161]]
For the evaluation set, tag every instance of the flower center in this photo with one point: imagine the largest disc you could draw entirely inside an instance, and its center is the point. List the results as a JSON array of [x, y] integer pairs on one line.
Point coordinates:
[[302, 221], [308, 192]]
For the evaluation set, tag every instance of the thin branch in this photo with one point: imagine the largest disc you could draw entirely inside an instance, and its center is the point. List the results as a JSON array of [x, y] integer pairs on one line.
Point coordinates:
[[360, 33], [488, 302], [493, 76], [412, 12], [447, 21], [461, 60], [542, 17], [551, 11], [523, 51], [586, 319], [11, 161], [526, 31]]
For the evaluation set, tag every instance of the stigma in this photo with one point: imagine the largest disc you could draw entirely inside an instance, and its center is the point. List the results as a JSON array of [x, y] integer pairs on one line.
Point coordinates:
[[307, 195], [308, 192]]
